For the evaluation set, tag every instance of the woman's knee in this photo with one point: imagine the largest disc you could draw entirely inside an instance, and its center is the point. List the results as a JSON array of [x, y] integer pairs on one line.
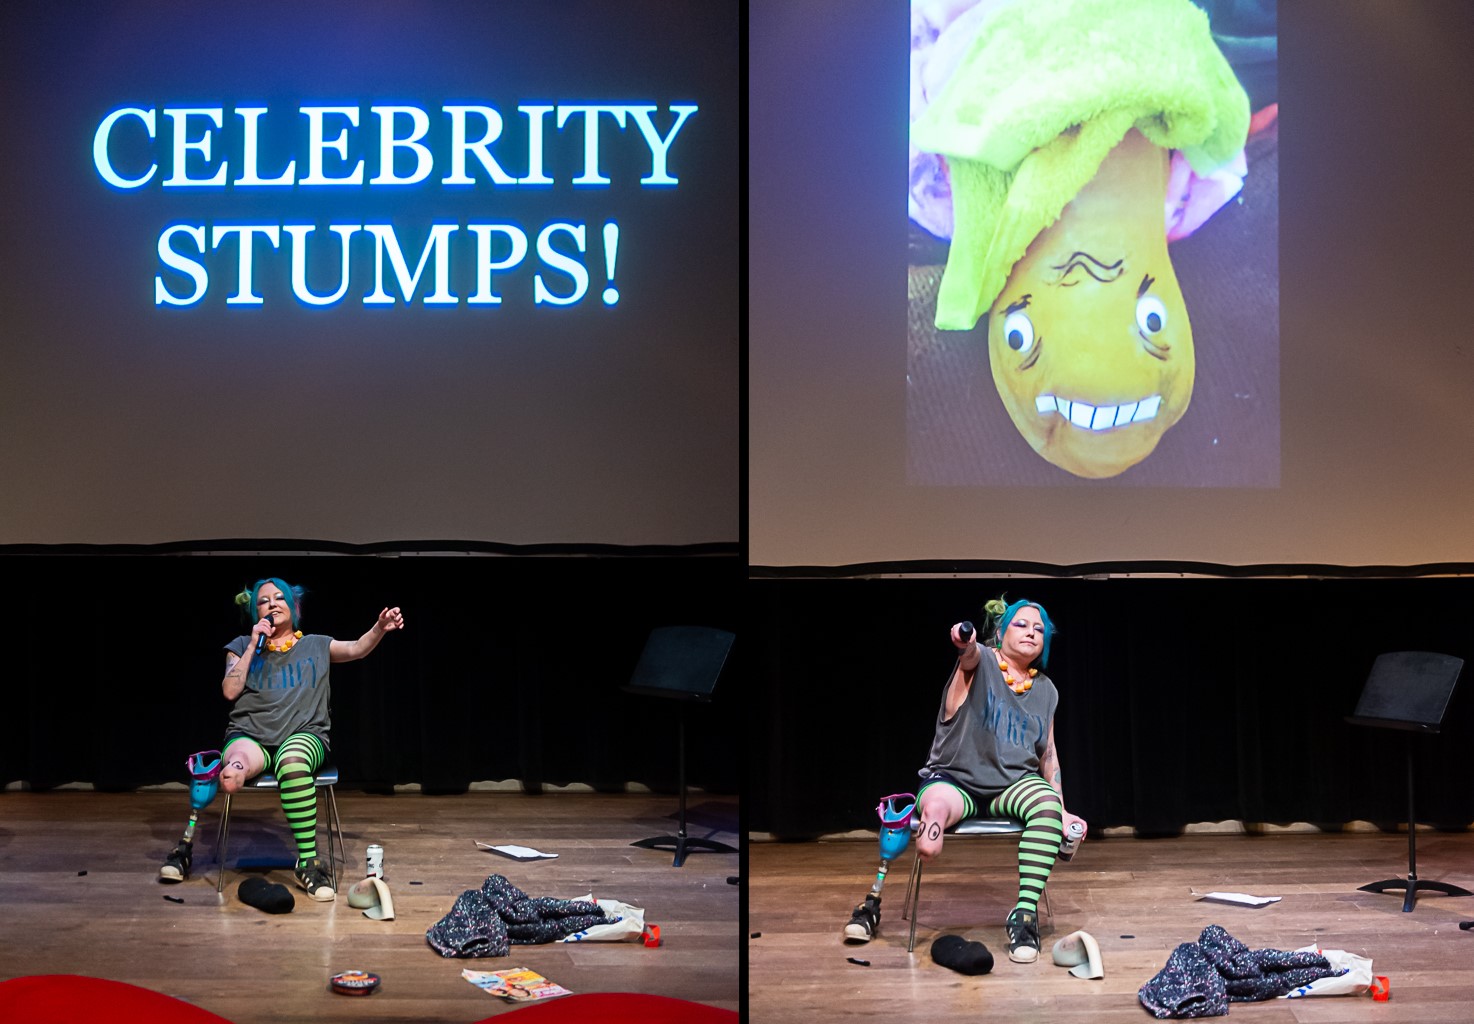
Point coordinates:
[[293, 766]]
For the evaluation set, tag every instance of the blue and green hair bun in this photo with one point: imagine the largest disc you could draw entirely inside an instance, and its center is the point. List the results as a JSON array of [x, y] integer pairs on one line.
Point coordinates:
[[992, 616]]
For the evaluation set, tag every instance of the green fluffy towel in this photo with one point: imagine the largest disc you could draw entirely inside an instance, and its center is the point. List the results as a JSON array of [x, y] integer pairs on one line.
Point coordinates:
[[1044, 93]]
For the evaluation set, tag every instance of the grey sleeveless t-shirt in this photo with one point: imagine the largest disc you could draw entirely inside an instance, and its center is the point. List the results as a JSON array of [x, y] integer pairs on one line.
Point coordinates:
[[286, 692], [997, 736]]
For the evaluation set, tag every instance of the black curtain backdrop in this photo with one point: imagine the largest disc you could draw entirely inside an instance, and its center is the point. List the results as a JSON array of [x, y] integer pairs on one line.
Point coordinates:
[[1181, 700], [509, 668]]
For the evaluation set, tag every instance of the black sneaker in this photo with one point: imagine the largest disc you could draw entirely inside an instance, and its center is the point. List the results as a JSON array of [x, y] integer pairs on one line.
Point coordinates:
[[1023, 936], [864, 920], [176, 865], [312, 878]]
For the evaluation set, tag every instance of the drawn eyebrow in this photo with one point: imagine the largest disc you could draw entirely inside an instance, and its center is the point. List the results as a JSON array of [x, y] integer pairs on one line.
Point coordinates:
[[1102, 272], [1022, 303], [1146, 283]]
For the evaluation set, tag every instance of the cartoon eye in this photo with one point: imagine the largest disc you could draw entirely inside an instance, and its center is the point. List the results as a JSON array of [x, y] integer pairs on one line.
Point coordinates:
[[1151, 315], [1018, 331]]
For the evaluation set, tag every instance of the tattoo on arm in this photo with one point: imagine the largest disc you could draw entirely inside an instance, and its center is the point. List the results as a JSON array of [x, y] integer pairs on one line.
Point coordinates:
[[1050, 765]]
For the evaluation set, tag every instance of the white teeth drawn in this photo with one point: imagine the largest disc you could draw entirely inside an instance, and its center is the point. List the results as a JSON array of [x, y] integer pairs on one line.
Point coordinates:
[[1103, 417]]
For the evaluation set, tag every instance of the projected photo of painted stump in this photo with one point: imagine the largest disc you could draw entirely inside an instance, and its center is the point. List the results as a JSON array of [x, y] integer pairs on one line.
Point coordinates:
[[1093, 196]]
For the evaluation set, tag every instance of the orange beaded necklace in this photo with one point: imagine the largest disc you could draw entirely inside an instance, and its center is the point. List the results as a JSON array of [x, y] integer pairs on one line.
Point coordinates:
[[1014, 684], [286, 645]]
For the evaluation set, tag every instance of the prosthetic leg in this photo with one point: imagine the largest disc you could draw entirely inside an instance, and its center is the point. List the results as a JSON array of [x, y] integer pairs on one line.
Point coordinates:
[[204, 772], [895, 835]]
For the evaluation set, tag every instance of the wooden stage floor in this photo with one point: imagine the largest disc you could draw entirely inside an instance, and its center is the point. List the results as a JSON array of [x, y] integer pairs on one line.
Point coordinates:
[[79, 894], [1135, 897]]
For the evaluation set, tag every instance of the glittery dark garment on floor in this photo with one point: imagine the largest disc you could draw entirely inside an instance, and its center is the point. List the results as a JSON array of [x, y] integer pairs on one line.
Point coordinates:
[[490, 920], [1201, 978]]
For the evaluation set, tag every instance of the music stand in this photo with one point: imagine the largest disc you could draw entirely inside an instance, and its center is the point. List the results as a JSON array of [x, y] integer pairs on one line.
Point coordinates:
[[1409, 691], [682, 663]]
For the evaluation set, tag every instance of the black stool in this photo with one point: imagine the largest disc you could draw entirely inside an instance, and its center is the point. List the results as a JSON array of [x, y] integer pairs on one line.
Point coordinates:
[[965, 827]]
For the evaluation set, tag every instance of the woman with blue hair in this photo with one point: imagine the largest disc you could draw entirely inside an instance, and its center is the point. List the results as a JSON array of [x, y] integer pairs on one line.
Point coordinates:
[[993, 753], [276, 679]]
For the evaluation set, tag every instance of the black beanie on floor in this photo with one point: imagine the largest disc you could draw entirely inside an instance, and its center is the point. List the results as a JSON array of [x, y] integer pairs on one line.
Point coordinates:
[[263, 895], [961, 955]]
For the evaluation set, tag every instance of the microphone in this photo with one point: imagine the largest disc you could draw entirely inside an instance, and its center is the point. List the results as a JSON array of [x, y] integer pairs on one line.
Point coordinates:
[[965, 631], [261, 637]]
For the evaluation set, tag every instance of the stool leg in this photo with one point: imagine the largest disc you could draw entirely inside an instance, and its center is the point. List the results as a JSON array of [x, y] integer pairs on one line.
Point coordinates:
[[913, 898], [336, 846], [910, 887], [222, 834]]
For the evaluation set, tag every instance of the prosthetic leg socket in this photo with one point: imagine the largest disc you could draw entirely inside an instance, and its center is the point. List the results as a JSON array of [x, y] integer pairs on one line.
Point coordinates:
[[895, 824], [204, 778]]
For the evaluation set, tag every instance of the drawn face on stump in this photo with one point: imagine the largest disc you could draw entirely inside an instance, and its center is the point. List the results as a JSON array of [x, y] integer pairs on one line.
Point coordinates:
[[233, 774], [1089, 341]]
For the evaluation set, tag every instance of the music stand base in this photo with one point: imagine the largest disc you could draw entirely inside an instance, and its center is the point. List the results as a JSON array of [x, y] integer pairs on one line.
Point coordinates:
[[683, 845], [1413, 885]]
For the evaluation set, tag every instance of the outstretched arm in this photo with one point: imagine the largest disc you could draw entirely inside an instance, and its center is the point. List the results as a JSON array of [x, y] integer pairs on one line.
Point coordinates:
[[968, 652], [968, 656], [388, 621]]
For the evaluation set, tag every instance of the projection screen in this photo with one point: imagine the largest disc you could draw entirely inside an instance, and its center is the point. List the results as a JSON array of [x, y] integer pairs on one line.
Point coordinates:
[[370, 272], [1231, 333]]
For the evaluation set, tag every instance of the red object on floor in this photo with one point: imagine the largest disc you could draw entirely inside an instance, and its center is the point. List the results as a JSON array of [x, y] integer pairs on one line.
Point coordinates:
[[617, 1008], [67, 998]]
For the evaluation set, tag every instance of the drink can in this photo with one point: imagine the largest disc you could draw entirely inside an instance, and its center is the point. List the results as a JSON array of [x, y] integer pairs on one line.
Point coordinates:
[[1072, 841], [376, 861]]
